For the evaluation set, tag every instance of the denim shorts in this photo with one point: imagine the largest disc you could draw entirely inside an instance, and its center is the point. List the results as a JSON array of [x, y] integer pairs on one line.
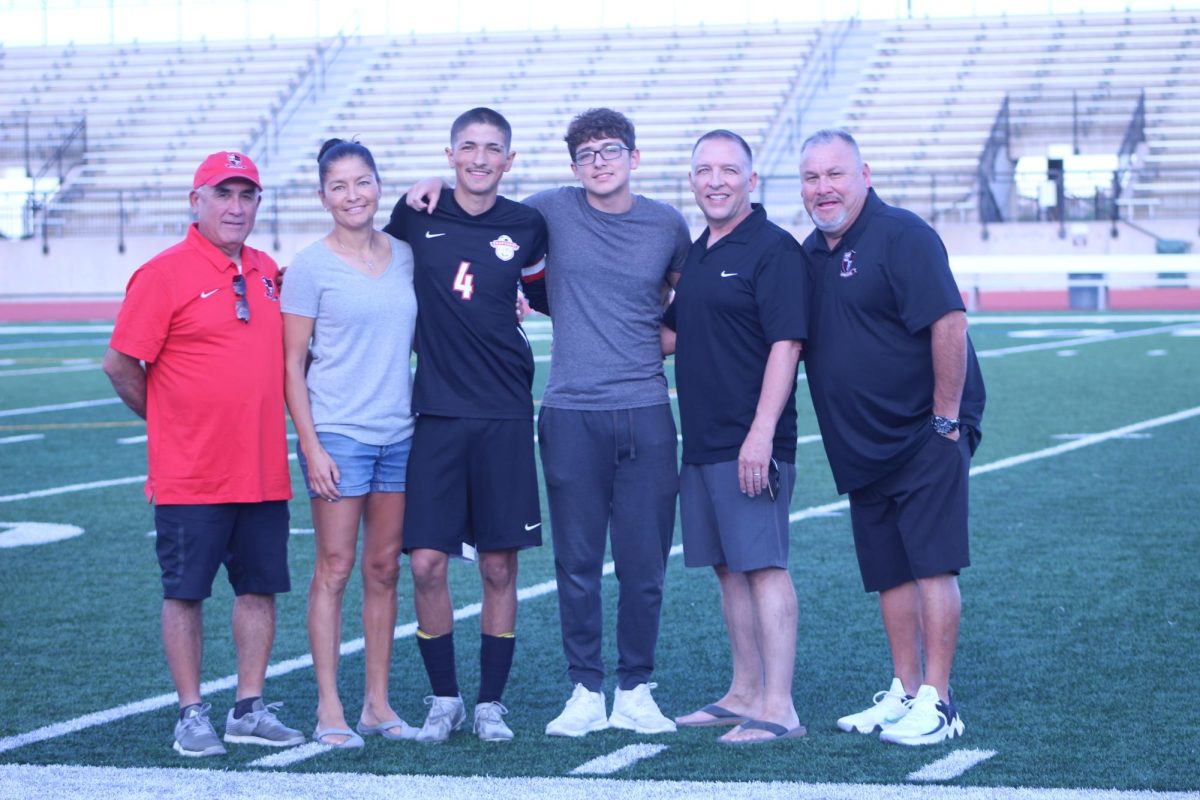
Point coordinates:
[[363, 468]]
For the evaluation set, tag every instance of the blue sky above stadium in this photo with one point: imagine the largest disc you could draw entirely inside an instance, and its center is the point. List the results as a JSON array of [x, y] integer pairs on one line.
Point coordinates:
[[45, 22]]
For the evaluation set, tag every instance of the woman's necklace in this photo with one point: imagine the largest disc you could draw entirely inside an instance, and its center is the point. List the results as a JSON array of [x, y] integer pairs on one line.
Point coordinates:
[[368, 260]]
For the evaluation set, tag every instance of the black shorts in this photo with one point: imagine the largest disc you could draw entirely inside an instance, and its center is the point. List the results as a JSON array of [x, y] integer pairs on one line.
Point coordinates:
[[250, 539], [472, 481], [913, 523]]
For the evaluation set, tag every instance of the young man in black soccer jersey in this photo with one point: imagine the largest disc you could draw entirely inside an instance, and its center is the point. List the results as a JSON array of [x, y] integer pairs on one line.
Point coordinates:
[[472, 476]]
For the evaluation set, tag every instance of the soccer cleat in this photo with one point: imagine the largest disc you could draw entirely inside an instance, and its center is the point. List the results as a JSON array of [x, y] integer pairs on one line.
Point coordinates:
[[446, 714], [584, 712], [489, 723], [195, 735], [890, 707], [635, 710], [928, 721], [261, 726]]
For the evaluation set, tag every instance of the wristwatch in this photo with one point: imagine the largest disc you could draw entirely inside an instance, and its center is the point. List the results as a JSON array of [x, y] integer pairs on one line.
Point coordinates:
[[944, 425]]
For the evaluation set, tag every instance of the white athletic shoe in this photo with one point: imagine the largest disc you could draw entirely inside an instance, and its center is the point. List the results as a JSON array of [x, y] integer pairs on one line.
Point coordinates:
[[928, 721], [446, 714], [889, 709], [635, 710], [584, 712], [489, 723]]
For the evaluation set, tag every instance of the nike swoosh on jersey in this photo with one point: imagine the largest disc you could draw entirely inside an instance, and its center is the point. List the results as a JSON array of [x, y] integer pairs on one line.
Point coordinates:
[[209, 293], [429, 235], [725, 274], [529, 527]]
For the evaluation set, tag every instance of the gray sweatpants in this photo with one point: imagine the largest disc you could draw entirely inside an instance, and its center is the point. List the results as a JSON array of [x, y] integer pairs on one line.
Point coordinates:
[[602, 469]]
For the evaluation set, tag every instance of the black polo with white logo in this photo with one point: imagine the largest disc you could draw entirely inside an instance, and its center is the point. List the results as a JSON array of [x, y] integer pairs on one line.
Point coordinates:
[[869, 360], [733, 301]]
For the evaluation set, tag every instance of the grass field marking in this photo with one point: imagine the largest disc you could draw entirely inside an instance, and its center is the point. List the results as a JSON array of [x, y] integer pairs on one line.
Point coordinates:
[[1073, 319], [17, 330], [951, 766], [74, 426], [15, 373], [293, 755], [75, 487], [18, 412], [133, 439], [618, 759], [28, 437], [22, 781], [1068, 343], [299, 662], [56, 343], [25, 534], [1086, 441]]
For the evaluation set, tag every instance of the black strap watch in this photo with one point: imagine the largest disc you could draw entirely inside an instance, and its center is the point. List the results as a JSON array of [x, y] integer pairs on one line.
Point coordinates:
[[944, 425]]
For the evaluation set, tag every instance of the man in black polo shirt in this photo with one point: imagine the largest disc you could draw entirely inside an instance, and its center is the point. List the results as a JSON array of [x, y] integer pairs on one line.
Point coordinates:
[[899, 398], [736, 328]]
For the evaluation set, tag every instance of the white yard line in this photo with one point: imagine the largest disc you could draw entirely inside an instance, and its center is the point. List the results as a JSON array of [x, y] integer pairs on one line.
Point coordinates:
[[20, 782], [28, 437], [1063, 344], [14, 373], [951, 766], [74, 487], [18, 412], [292, 755], [619, 759]]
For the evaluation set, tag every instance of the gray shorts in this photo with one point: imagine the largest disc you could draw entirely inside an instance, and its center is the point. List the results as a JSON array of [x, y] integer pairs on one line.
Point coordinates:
[[722, 526]]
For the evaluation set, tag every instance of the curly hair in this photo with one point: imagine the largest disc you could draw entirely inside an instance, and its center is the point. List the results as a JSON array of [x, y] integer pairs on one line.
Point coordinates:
[[599, 123]]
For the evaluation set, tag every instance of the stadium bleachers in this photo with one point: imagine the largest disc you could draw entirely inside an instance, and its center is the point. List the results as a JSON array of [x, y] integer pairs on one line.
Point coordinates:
[[927, 101], [922, 105]]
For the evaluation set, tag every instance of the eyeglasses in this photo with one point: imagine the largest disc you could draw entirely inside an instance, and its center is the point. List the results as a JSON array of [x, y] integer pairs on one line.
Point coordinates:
[[242, 309], [608, 153]]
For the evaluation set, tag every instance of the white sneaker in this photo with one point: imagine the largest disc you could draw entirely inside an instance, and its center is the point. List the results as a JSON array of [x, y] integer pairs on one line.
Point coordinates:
[[928, 721], [585, 712], [489, 723], [635, 710], [446, 714], [889, 709]]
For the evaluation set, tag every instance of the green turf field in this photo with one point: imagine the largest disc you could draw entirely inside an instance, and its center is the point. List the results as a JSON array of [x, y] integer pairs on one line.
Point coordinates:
[[1077, 659]]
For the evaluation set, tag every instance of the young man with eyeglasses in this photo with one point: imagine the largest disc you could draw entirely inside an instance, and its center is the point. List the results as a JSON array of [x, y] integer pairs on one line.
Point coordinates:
[[606, 432], [196, 351]]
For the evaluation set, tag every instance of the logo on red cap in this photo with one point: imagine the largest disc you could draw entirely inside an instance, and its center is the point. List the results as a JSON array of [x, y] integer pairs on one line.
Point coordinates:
[[222, 166]]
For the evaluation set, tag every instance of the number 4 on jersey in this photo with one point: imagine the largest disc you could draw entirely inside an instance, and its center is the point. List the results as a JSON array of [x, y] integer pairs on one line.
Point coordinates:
[[464, 281]]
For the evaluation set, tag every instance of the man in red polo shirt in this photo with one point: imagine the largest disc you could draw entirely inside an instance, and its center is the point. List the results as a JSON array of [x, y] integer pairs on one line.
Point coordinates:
[[197, 351]]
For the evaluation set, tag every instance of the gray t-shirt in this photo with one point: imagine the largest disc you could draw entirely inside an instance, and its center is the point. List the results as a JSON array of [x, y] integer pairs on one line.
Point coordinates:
[[360, 382], [605, 276]]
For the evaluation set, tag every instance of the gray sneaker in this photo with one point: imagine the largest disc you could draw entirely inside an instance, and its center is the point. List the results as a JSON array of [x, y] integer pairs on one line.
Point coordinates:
[[261, 726], [489, 723], [195, 736], [446, 714]]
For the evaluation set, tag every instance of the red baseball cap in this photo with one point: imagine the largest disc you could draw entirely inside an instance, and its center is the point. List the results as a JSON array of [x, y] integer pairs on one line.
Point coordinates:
[[223, 166]]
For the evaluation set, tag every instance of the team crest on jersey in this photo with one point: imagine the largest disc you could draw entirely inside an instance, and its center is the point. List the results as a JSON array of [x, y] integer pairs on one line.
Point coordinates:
[[505, 247], [269, 285], [848, 268]]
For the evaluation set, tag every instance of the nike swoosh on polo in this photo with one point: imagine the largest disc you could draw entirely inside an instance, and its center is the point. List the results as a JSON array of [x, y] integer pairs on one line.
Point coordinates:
[[209, 293], [529, 527], [429, 235], [725, 274]]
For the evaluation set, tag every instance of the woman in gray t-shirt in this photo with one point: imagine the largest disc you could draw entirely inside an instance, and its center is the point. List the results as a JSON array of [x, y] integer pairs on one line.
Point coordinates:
[[349, 303]]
